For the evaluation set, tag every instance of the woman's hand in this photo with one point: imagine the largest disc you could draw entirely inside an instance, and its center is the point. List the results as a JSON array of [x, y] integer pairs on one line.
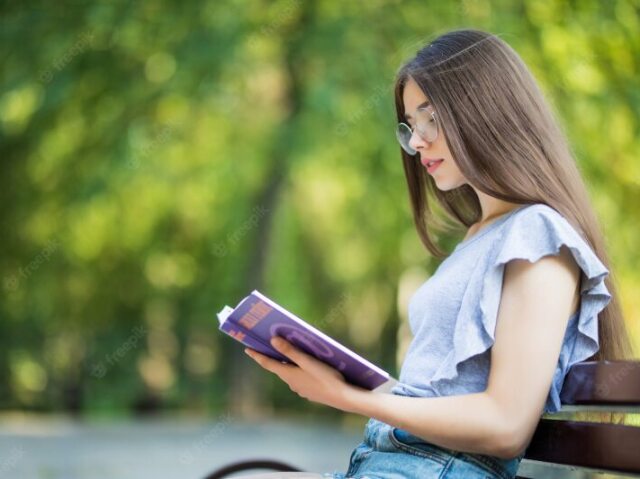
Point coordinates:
[[311, 379]]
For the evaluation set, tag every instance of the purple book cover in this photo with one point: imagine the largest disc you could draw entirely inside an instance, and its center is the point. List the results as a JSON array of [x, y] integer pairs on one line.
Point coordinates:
[[257, 319]]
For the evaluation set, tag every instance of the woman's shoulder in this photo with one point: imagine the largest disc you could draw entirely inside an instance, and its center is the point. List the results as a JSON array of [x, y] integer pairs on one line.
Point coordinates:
[[522, 211], [528, 224], [539, 230], [540, 219], [541, 210]]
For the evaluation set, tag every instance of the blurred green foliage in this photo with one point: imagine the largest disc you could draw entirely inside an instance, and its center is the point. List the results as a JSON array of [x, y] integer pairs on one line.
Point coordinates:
[[162, 159]]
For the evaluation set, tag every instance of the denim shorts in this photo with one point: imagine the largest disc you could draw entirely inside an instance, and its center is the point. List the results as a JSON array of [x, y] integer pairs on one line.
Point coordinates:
[[392, 453]]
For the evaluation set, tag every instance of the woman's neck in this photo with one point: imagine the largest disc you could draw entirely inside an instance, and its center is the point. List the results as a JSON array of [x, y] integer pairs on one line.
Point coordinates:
[[493, 207]]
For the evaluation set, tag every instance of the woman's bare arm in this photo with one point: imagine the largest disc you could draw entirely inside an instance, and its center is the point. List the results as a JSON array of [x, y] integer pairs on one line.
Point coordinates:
[[537, 301]]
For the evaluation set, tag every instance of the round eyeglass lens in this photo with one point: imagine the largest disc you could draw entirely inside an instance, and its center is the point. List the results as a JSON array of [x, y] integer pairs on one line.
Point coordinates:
[[426, 125], [403, 133]]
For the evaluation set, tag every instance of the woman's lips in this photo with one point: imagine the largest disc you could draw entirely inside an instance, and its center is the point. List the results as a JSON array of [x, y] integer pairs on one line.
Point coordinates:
[[431, 165]]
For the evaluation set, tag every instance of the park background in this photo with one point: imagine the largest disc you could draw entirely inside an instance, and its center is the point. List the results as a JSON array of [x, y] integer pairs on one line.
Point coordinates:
[[161, 159]]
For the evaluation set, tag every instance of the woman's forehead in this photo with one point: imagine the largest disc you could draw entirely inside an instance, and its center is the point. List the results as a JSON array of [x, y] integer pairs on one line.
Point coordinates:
[[413, 95]]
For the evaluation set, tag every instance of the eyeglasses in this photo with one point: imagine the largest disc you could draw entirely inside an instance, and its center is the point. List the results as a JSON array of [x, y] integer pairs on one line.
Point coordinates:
[[426, 126]]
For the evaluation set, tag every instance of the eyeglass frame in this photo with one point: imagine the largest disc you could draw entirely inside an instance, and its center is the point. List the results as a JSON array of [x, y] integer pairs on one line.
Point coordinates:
[[412, 130]]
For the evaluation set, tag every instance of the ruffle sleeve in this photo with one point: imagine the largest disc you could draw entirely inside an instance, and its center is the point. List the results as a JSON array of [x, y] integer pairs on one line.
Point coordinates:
[[531, 234]]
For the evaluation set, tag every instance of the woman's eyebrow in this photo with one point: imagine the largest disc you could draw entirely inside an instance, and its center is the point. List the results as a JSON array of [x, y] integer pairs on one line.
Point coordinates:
[[421, 105]]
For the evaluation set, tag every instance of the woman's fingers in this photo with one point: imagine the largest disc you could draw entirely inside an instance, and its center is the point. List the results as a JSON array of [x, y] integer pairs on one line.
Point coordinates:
[[270, 364], [302, 360], [286, 372], [305, 361], [299, 357]]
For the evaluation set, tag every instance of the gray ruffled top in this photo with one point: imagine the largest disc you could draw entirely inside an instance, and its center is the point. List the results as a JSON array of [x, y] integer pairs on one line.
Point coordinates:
[[453, 314]]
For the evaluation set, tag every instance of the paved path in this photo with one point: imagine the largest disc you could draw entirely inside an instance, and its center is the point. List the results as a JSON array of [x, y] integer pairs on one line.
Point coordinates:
[[164, 449], [58, 448]]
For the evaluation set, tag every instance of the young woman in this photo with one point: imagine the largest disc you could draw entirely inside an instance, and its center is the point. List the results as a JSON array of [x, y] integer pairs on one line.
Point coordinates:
[[522, 298]]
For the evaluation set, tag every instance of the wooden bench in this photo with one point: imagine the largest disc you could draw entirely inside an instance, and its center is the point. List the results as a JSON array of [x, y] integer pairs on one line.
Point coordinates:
[[560, 442]]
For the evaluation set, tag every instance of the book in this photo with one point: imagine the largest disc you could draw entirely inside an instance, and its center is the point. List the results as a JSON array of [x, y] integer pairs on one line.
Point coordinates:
[[256, 319]]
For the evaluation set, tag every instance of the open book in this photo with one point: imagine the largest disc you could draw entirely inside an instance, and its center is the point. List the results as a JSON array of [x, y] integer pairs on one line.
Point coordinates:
[[257, 319]]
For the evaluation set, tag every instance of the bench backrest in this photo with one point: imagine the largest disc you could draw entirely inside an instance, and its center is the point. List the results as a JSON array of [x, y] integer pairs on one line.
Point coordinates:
[[591, 386]]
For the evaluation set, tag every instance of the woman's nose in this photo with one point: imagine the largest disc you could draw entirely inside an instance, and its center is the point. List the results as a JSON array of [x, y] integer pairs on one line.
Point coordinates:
[[416, 141]]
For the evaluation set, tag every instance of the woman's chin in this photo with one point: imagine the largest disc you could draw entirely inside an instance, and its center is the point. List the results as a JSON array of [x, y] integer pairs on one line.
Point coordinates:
[[444, 185], [447, 184]]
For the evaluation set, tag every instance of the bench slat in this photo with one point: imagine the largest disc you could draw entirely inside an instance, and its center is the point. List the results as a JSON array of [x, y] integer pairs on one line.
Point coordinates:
[[596, 445], [602, 382], [570, 408]]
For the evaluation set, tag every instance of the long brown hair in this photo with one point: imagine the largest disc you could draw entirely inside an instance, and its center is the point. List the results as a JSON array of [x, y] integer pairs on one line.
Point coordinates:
[[507, 143]]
